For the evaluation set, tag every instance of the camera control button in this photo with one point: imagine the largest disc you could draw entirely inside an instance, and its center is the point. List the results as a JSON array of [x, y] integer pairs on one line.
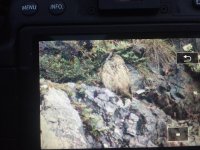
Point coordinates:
[[183, 58], [197, 3], [57, 7], [29, 8]]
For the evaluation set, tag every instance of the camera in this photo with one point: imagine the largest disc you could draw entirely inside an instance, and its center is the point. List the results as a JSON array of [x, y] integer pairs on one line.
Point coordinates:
[[84, 74]]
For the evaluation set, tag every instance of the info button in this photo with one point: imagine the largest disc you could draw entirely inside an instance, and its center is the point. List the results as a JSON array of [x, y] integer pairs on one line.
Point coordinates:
[[185, 58], [57, 7]]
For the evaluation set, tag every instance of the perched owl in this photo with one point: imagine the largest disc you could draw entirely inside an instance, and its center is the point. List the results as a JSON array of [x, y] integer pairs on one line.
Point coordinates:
[[116, 76]]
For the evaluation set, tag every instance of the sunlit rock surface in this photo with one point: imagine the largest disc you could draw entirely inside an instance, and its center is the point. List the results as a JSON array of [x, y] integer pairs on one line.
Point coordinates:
[[61, 126], [93, 117]]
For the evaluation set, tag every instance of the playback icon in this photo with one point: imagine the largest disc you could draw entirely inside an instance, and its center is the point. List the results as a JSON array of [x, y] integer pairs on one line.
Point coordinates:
[[184, 58], [178, 134]]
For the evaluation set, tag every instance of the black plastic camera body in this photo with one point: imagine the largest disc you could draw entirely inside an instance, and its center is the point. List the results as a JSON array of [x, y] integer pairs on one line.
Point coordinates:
[[30, 21]]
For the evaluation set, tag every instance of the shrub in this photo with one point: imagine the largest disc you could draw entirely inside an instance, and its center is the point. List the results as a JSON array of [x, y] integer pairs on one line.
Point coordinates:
[[157, 51]]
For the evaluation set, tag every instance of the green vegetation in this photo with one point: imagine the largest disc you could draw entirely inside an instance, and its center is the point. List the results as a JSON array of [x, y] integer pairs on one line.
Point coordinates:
[[194, 67], [58, 69], [78, 63], [92, 121]]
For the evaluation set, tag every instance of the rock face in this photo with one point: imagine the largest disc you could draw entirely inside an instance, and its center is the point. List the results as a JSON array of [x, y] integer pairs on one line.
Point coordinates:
[[61, 126], [93, 117]]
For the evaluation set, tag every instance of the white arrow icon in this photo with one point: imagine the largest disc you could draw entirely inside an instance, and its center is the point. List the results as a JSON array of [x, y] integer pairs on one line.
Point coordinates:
[[187, 59]]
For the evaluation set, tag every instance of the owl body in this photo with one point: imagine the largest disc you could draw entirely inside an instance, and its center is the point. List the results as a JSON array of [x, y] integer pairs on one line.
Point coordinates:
[[116, 76]]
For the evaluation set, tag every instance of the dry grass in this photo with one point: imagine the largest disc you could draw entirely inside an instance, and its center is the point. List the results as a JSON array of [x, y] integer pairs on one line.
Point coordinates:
[[157, 51], [108, 45]]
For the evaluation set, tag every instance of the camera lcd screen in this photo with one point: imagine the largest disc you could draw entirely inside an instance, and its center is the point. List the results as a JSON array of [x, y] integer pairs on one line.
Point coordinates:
[[123, 93]]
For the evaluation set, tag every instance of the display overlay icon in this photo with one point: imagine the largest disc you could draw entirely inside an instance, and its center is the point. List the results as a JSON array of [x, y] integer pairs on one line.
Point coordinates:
[[184, 58], [178, 134]]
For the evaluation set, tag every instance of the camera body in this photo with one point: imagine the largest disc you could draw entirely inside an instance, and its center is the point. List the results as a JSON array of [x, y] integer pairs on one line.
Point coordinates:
[[30, 21]]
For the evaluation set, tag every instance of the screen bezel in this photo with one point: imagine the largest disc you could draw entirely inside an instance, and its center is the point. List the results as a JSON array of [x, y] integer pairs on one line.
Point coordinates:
[[28, 63]]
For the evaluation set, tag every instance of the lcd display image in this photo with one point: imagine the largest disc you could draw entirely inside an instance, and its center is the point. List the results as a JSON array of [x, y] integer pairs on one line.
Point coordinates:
[[123, 93]]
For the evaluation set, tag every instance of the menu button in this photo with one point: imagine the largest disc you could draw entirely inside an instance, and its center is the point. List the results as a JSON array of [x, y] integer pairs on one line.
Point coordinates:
[[29, 8]]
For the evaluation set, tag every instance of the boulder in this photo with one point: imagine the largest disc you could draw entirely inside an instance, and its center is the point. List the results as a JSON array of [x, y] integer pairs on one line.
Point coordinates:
[[61, 126]]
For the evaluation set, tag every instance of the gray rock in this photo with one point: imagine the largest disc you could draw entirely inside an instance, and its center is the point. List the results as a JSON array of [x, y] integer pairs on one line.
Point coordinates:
[[180, 95], [61, 122], [110, 124], [132, 124], [198, 44], [140, 91], [90, 139], [136, 79]]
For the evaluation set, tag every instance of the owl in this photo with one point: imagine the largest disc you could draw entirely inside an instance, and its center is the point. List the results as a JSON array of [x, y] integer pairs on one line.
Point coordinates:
[[115, 76]]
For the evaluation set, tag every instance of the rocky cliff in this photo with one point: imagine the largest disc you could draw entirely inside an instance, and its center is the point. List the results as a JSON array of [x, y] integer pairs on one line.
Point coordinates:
[[81, 116]]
